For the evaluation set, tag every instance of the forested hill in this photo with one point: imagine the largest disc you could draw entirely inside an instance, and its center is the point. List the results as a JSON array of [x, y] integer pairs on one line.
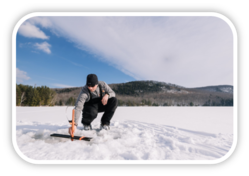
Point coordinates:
[[222, 88], [153, 93]]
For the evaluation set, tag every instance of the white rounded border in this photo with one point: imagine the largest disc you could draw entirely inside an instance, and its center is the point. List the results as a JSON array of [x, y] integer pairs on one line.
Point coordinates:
[[235, 88]]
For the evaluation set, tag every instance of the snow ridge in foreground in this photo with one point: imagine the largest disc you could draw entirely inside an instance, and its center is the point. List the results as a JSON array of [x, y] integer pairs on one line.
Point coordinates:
[[127, 140]]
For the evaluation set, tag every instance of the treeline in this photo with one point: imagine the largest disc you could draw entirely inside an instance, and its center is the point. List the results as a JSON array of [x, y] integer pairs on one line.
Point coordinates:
[[65, 90], [223, 102], [136, 87], [70, 102], [133, 103], [34, 96]]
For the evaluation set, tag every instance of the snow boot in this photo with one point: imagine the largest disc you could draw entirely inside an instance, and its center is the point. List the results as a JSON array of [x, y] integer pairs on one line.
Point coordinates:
[[105, 127], [87, 127]]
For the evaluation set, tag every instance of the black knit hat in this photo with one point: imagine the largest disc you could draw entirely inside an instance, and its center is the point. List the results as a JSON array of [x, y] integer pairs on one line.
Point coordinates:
[[91, 80]]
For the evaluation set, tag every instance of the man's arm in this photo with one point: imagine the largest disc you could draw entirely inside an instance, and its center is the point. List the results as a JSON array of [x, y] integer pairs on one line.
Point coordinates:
[[108, 90], [79, 105]]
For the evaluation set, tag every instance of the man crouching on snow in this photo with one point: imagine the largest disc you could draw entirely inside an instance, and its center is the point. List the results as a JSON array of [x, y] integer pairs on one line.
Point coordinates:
[[96, 96]]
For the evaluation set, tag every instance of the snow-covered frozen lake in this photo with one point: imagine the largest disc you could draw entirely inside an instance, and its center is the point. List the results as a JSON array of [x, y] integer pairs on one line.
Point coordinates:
[[137, 133]]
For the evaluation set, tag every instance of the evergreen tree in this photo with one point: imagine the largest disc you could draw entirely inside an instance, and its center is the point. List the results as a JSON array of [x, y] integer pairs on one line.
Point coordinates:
[[18, 95], [71, 101], [155, 104], [121, 103], [35, 100], [165, 104], [149, 103], [28, 95]]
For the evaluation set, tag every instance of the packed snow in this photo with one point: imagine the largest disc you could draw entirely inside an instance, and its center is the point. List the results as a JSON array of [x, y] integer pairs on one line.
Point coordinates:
[[137, 133]]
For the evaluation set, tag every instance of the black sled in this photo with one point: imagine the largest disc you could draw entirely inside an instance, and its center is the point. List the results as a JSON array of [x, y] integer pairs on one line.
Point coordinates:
[[70, 137]]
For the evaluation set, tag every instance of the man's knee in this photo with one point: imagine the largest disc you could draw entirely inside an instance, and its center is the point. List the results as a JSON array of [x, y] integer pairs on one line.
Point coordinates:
[[88, 115], [113, 103]]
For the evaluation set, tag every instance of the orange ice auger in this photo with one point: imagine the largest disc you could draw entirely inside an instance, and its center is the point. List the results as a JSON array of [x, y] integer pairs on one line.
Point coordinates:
[[72, 136]]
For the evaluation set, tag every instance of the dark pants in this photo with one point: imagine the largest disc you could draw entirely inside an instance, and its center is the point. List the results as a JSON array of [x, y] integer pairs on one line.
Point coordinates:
[[91, 111]]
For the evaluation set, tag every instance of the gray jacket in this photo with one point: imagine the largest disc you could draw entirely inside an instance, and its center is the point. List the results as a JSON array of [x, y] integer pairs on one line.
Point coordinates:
[[84, 96]]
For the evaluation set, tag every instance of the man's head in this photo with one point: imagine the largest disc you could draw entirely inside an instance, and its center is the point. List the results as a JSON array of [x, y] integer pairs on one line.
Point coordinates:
[[92, 82]]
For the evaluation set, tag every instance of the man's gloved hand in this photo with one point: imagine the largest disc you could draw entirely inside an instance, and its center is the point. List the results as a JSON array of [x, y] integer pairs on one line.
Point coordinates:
[[105, 99], [70, 131]]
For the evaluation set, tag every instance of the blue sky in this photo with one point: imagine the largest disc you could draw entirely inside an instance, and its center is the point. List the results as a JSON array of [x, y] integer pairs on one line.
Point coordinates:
[[64, 66], [188, 51]]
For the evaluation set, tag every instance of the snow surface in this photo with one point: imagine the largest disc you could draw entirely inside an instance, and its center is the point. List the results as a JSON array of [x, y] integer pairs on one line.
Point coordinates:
[[137, 133]]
